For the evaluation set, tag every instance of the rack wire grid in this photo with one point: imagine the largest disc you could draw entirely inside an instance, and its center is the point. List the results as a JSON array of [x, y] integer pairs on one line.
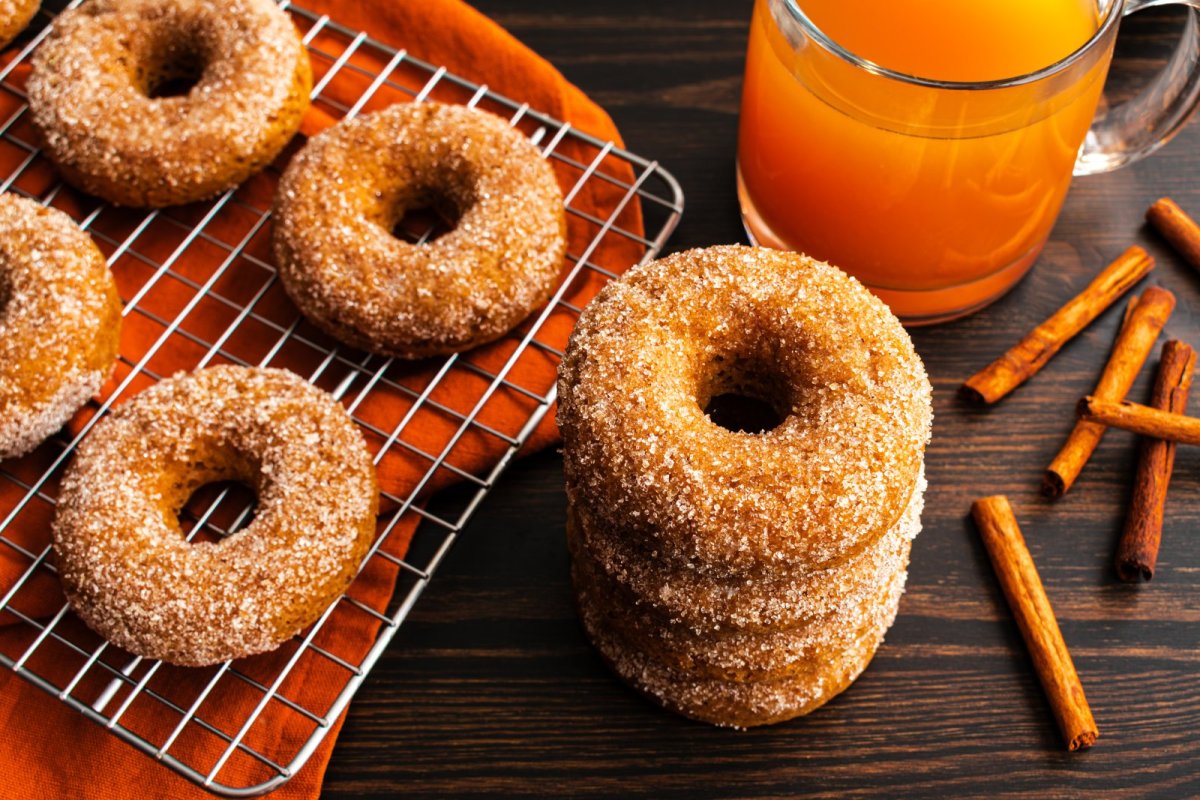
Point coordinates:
[[191, 255]]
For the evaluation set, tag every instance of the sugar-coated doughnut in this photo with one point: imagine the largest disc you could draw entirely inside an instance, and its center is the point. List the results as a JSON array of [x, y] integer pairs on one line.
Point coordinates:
[[681, 605], [741, 578], [92, 94], [343, 194], [739, 704], [14, 18], [125, 565], [60, 322], [740, 656], [702, 604], [653, 348]]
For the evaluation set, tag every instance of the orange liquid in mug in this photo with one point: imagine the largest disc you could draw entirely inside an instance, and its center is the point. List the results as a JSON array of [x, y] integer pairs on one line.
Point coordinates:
[[943, 198]]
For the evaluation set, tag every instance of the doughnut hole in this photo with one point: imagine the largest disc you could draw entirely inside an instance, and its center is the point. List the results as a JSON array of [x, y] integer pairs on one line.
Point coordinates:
[[214, 474], [744, 394], [237, 502], [426, 217], [175, 82], [421, 214], [173, 60]]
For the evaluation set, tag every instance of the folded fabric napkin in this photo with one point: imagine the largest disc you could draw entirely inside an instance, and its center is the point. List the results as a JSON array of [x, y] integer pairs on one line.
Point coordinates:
[[52, 751]]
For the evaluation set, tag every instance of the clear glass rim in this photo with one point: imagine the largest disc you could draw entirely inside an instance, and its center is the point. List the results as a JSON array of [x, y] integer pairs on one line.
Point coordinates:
[[828, 44]]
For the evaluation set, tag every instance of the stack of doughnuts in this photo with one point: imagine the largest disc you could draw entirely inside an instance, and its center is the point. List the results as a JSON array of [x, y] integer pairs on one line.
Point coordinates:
[[741, 576]]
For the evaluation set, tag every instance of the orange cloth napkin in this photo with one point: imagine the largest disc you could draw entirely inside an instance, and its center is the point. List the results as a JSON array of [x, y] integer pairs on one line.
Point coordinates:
[[50, 750]]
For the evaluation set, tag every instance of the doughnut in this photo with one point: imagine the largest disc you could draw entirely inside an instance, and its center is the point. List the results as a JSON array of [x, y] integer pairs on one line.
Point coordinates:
[[740, 577], [345, 191], [125, 565], [731, 703], [739, 656], [653, 348], [95, 84], [14, 18], [60, 322], [701, 604], [696, 606]]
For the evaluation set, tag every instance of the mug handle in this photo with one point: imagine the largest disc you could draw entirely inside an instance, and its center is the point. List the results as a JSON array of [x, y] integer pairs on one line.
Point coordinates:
[[1136, 128]]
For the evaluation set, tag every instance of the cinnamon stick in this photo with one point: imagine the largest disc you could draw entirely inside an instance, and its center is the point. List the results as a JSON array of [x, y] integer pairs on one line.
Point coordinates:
[[1026, 597], [1137, 551], [1133, 345], [1177, 228], [1031, 353], [1141, 419]]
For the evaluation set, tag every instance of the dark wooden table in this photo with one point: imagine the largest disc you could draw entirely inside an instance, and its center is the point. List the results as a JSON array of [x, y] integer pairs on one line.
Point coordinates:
[[490, 687]]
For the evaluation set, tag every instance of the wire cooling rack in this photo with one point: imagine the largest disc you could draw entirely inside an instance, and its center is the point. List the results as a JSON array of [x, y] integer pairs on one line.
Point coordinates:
[[183, 261]]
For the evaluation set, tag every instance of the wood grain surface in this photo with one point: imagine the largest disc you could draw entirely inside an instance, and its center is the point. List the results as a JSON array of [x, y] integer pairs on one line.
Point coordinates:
[[491, 689]]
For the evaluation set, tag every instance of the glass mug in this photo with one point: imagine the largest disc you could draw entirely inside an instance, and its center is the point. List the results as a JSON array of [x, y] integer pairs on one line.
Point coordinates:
[[937, 194]]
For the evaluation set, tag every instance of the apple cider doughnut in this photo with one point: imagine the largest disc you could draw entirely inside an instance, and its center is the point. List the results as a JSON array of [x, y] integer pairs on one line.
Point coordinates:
[[60, 322], [342, 195], [689, 599], [653, 348], [125, 565], [740, 704], [96, 80]]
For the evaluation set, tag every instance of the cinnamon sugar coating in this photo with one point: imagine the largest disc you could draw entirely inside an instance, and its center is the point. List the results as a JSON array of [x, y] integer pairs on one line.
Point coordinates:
[[122, 557], [342, 195], [93, 77], [60, 322], [14, 18], [741, 578]]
